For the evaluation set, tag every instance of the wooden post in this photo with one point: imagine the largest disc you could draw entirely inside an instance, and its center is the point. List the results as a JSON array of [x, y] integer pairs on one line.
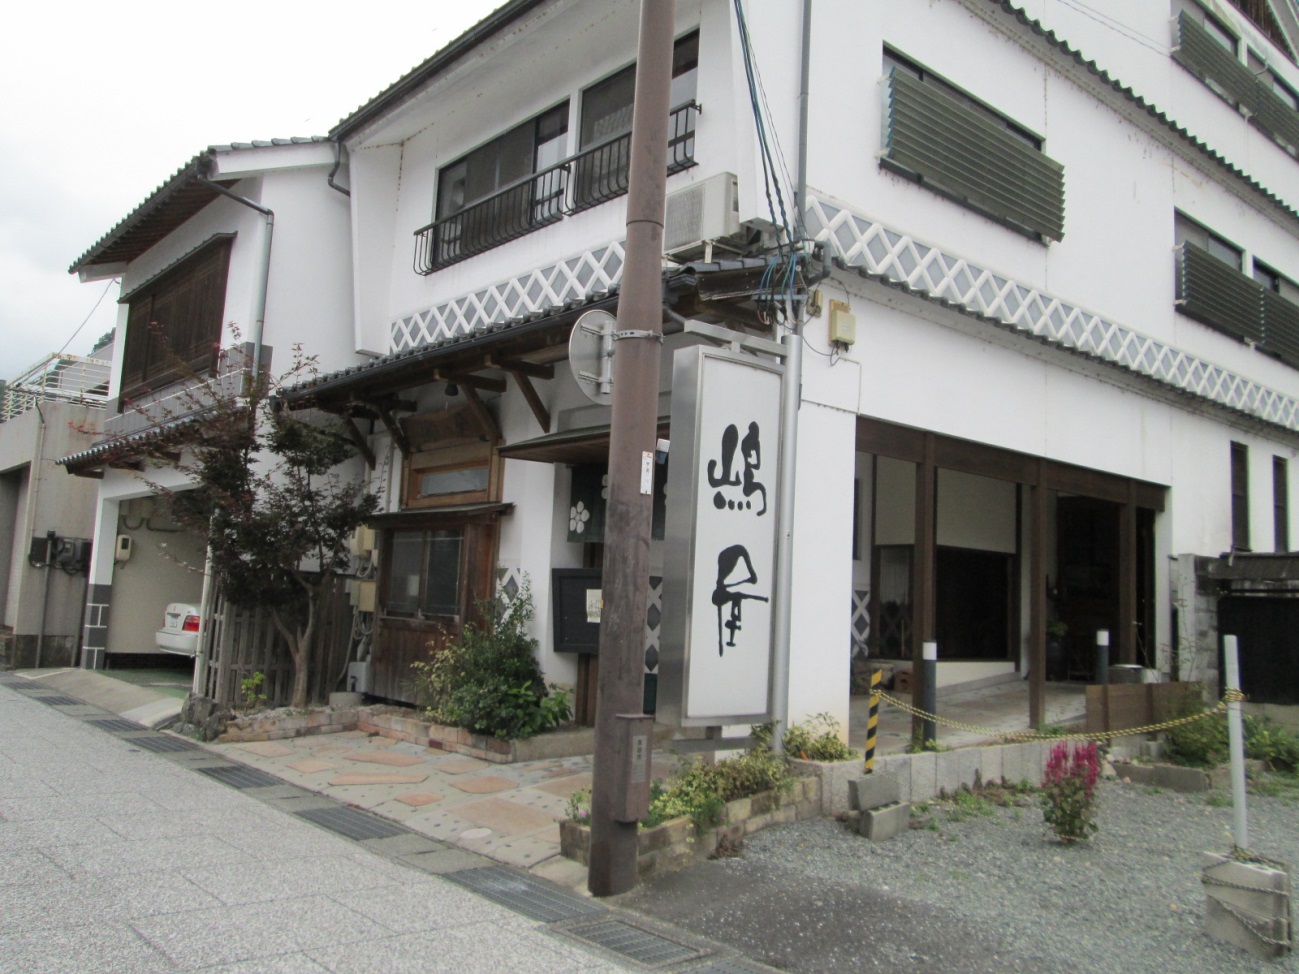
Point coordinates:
[[1128, 579]]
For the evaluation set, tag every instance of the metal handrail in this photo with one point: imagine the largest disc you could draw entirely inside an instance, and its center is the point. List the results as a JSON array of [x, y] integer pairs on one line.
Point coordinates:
[[593, 176], [57, 377]]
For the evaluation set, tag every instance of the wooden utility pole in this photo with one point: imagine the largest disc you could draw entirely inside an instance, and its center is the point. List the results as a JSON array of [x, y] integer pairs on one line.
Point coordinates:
[[639, 340]]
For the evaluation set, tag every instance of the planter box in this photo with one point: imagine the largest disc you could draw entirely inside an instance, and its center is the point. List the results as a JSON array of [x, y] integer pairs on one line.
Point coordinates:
[[675, 844], [246, 729], [396, 723]]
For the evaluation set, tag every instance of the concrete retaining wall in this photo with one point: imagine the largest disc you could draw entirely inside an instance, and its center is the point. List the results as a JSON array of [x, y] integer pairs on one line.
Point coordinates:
[[938, 773]]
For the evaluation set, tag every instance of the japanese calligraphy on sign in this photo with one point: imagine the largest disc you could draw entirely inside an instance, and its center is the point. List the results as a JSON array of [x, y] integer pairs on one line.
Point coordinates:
[[719, 567]]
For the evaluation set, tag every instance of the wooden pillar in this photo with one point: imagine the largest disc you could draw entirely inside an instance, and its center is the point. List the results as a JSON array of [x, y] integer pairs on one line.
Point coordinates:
[[1127, 622], [1037, 602], [924, 572]]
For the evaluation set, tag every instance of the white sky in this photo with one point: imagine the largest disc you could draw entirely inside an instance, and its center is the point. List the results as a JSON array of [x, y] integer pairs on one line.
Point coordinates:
[[100, 104]]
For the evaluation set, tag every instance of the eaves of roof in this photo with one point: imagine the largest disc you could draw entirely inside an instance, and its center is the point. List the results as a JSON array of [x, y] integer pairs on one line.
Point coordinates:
[[413, 81], [1091, 67], [168, 206], [412, 367]]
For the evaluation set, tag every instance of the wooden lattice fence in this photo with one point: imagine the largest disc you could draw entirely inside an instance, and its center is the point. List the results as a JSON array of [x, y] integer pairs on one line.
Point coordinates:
[[241, 642]]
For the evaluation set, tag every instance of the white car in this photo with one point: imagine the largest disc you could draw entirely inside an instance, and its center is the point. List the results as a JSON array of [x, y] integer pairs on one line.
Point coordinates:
[[179, 632]]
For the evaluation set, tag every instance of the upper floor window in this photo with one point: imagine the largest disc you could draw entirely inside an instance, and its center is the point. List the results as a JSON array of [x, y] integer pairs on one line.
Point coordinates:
[[604, 147], [1211, 51], [1239, 497], [960, 147], [1280, 504], [173, 324], [522, 180], [1213, 288], [503, 169]]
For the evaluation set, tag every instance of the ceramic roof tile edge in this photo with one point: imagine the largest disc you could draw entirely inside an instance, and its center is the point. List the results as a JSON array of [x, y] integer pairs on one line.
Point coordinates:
[[177, 181], [413, 80], [1008, 8]]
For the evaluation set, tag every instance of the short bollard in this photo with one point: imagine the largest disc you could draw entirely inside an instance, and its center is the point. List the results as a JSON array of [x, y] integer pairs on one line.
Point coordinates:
[[1102, 656], [872, 722]]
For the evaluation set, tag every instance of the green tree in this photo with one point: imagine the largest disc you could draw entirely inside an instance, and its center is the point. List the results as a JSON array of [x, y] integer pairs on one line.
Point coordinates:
[[270, 498]]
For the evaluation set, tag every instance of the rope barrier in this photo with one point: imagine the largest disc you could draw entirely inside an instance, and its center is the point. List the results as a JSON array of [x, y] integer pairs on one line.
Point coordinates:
[[1230, 695]]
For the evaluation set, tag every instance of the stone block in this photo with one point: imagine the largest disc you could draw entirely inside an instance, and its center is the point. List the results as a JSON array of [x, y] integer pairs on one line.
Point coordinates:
[[1012, 764], [991, 770], [1035, 760], [924, 776], [947, 771], [1175, 778], [1247, 917], [872, 791], [738, 810], [808, 808], [757, 823], [970, 764], [878, 824], [834, 777], [783, 815], [1138, 774]]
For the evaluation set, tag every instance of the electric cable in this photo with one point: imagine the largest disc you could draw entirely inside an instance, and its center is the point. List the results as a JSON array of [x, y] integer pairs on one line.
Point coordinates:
[[102, 295]]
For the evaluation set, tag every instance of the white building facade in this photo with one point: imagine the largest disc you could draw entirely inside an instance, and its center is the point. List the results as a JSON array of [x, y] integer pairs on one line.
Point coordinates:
[[1052, 331], [241, 255]]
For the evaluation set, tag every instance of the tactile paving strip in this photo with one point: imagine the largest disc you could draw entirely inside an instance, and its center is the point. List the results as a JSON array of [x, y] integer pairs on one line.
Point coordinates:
[[630, 941], [523, 894], [352, 823], [116, 724], [238, 776]]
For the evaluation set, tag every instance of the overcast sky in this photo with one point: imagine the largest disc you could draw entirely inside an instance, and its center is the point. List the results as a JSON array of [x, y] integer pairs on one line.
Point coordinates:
[[100, 104]]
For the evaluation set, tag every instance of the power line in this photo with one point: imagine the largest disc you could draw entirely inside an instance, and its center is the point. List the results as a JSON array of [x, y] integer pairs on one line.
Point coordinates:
[[102, 295]]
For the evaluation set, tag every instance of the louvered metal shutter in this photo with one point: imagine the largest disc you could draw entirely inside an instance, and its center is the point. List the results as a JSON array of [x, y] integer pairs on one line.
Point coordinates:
[[1208, 60], [1281, 327], [968, 157], [1213, 293]]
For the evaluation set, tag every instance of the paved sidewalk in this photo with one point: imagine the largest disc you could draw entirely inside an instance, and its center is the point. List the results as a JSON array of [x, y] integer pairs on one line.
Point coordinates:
[[113, 858]]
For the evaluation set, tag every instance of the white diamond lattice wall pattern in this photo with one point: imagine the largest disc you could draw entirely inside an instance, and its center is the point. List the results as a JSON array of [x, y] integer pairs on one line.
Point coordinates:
[[590, 274], [881, 252]]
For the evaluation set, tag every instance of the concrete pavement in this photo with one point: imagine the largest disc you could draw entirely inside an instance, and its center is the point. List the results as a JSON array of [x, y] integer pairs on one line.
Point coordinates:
[[122, 849]]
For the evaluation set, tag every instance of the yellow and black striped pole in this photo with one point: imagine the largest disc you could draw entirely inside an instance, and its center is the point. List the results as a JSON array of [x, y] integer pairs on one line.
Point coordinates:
[[872, 722]]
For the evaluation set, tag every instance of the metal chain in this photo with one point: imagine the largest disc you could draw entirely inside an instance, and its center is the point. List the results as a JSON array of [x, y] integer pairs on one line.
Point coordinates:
[[1254, 927], [1230, 695]]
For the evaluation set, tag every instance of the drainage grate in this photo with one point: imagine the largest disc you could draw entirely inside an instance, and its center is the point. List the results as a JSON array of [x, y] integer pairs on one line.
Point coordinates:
[[626, 940], [239, 776], [524, 894], [116, 724], [161, 745], [60, 701], [352, 823]]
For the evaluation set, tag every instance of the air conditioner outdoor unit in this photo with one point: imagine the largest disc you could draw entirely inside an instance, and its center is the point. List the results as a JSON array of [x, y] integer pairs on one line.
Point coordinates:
[[701, 213]]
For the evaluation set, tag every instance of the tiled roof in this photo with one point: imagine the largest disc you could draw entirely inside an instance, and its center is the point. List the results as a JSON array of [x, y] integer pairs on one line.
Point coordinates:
[[168, 206]]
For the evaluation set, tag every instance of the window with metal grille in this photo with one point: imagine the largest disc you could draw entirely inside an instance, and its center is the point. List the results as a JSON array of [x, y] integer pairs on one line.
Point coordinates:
[[956, 145], [1239, 497], [503, 189], [601, 166], [173, 324], [1280, 504]]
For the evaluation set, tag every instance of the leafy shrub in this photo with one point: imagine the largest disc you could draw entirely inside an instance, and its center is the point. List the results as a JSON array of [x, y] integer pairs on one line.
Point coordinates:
[[817, 739], [1069, 790], [1203, 743], [488, 681], [701, 791]]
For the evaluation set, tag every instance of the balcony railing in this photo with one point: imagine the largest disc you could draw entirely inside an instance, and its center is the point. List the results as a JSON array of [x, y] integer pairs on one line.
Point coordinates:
[[595, 175], [178, 400], [56, 378]]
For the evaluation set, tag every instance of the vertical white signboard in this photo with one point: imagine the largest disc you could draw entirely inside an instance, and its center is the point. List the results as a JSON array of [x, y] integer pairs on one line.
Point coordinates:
[[719, 569]]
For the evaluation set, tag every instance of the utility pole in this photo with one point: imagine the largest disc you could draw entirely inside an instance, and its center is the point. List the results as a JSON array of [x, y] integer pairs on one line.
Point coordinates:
[[632, 439]]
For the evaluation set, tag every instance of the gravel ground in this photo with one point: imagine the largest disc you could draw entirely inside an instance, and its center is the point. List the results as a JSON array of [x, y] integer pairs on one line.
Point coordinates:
[[991, 892]]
